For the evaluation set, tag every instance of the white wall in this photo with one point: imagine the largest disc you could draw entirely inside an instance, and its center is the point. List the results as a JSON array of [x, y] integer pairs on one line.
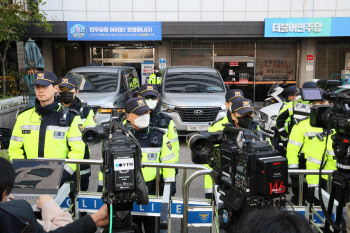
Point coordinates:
[[191, 10]]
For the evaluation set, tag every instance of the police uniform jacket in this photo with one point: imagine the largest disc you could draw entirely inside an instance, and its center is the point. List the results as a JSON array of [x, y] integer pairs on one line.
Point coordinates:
[[166, 123], [52, 131]]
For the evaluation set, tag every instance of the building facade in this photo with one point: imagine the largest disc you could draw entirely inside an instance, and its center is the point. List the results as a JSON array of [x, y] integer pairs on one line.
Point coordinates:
[[229, 35]]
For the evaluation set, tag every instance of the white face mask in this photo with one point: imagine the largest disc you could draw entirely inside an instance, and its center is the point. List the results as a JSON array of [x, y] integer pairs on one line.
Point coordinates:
[[142, 121], [152, 104]]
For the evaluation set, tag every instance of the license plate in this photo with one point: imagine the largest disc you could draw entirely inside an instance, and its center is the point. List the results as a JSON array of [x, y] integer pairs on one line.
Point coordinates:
[[198, 128]]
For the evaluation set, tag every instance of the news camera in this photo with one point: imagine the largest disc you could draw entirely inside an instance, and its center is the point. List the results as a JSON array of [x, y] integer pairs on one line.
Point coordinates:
[[122, 177], [335, 117], [249, 173]]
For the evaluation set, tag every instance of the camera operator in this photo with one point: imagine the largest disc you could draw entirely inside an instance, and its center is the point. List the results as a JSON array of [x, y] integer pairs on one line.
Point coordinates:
[[290, 94], [158, 119], [286, 116], [155, 147], [270, 220], [299, 145], [18, 215], [217, 126]]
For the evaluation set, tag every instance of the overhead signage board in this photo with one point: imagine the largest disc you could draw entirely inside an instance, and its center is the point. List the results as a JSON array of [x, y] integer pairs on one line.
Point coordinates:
[[113, 31], [307, 27]]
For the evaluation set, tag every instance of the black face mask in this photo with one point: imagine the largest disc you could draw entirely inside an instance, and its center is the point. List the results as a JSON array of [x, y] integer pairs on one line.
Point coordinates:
[[66, 97], [245, 121]]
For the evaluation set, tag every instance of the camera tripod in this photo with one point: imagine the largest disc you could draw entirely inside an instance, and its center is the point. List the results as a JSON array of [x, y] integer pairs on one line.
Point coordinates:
[[122, 223], [340, 186]]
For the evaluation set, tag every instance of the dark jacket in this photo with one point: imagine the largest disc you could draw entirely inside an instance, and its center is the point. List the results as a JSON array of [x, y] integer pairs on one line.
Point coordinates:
[[18, 216]]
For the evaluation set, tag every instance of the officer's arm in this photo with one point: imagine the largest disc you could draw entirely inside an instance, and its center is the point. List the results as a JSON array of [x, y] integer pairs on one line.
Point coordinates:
[[331, 159], [90, 119], [295, 143], [167, 155], [174, 139], [281, 121], [16, 150], [75, 142]]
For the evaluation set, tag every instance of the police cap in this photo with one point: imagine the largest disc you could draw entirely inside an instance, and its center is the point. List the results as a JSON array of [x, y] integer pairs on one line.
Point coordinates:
[[233, 94], [68, 82], [149, 89], [242, 105], [137, 106], [45, 78]]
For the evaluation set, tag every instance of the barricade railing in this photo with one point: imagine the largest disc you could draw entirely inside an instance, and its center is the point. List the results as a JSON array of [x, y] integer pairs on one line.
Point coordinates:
[[201, 170]]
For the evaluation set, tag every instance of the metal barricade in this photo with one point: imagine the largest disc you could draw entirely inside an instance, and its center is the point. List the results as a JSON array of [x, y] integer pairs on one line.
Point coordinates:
[[201, 170]]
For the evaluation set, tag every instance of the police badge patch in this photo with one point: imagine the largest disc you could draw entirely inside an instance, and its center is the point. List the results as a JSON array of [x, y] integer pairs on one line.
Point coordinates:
[[81, 127], [169, 145], [175, 129]]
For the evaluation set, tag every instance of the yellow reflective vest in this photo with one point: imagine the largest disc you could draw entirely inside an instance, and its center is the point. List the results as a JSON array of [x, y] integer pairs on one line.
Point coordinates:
[[59, 141]]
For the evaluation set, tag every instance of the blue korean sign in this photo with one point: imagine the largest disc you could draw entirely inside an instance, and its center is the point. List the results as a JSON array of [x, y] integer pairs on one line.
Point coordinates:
[[114, 31], [307, 27]]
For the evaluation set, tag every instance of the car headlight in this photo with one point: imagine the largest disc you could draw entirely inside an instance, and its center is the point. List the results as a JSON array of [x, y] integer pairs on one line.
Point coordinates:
[[167, 107]]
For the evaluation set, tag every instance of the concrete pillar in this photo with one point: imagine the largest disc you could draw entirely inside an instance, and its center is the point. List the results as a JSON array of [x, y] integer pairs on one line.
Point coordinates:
[[48, 54], [307, 67], [162, 51]]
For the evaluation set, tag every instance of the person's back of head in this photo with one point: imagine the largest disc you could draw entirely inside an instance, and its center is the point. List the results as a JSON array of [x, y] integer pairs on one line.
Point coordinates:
[[272, 221], [7, 178]]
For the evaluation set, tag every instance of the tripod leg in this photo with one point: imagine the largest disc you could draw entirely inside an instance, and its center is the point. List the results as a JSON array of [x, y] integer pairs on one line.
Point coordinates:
[[330, 206]]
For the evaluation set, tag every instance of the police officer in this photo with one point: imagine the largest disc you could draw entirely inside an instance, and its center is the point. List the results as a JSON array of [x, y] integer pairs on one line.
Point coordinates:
[[218, 126], [48, 130], [151, 95], [299, 146], [290, 94], [156, 77], [314, 158], [286, 117], [155, 147], [134, 85], [67, 91]]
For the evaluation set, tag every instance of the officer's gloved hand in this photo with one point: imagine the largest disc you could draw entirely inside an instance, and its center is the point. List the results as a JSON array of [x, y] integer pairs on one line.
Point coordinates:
[[284, 134], [66, 177], [172, 188], [99, 188]]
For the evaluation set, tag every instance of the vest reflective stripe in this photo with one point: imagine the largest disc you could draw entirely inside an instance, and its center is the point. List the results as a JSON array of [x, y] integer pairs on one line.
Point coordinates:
[[59, 128], [330, 152], [284, 139], [281, 129], [151, 150], [15, 138], [174, 140], [290, 109], [100, 182], [295, 143], [313, 160], [84, 172], [31, 127], [311, 134], [74, 139], [83, 120], [312, 185], [169, 179], [208, 190], [168, 157], [293, 165], [68, 169]]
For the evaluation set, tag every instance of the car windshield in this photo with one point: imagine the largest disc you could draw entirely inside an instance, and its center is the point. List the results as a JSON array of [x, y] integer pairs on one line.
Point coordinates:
[[185, 82], [95, 81]]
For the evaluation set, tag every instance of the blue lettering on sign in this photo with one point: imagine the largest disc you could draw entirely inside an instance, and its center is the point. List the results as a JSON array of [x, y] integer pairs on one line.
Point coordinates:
[[114, 31]]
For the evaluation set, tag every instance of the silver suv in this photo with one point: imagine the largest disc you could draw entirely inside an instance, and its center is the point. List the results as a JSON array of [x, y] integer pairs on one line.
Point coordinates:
[[194, 96], [104, 86]]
